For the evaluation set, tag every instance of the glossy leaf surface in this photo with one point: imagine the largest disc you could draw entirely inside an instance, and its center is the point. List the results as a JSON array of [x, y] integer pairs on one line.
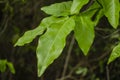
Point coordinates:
[[58, 9], [77, 5], [52, 43]]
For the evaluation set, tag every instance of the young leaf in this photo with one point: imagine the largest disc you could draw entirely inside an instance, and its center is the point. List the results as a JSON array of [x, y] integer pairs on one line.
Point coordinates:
[[84, 33], [52, 43], [111, 10], [58, 9], [77, 5], [31, 34], [115, 53]]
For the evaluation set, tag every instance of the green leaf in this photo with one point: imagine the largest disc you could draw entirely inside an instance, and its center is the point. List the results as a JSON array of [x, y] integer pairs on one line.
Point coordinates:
[[95, 6], [11, 67], [81, 70], [77, 5], [95, 11], [31, 34], [99, 15], [58, 9], [84, 33], [115, 53], [3, 65], [52, 43], [111, 11]]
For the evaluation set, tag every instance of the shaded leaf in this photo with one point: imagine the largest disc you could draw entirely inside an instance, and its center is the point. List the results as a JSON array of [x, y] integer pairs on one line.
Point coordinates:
[[77, 5], [11, 67], [31, 34], [111, 11], [3, 65], [81, 70], [58, 9], [52, 43], [115, 53], [84, 33]]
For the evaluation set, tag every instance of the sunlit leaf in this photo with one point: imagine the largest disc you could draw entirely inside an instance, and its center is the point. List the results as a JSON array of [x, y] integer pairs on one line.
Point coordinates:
[[52, 43], [115, 53], [31, 34], [111, 10], [77, 5], [58, 9], [84, 33]]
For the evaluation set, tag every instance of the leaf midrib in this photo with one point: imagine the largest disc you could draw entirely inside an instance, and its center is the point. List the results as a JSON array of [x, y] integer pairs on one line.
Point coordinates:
[[54, 41]]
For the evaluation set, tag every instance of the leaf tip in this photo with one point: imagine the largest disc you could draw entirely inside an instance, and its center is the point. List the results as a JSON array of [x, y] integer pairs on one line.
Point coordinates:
[[85, 53], [108, 62], [85, 50], [42, 8], [18, 44], [41, 70], [15, 45]]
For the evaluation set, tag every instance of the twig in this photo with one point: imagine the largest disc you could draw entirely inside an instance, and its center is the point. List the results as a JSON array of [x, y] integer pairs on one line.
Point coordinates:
[[74, 68], [101, 57], [107, 73], [68, 57], [67, 77]]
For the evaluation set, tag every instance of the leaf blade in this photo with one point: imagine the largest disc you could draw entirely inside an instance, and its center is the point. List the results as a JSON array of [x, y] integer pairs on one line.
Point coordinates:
[[31, 34], [52, 43], [58, 9], [3, 65], [96, 11], [11, 67], [77, 5], [111, 11], [84, 33], [115, 54]]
